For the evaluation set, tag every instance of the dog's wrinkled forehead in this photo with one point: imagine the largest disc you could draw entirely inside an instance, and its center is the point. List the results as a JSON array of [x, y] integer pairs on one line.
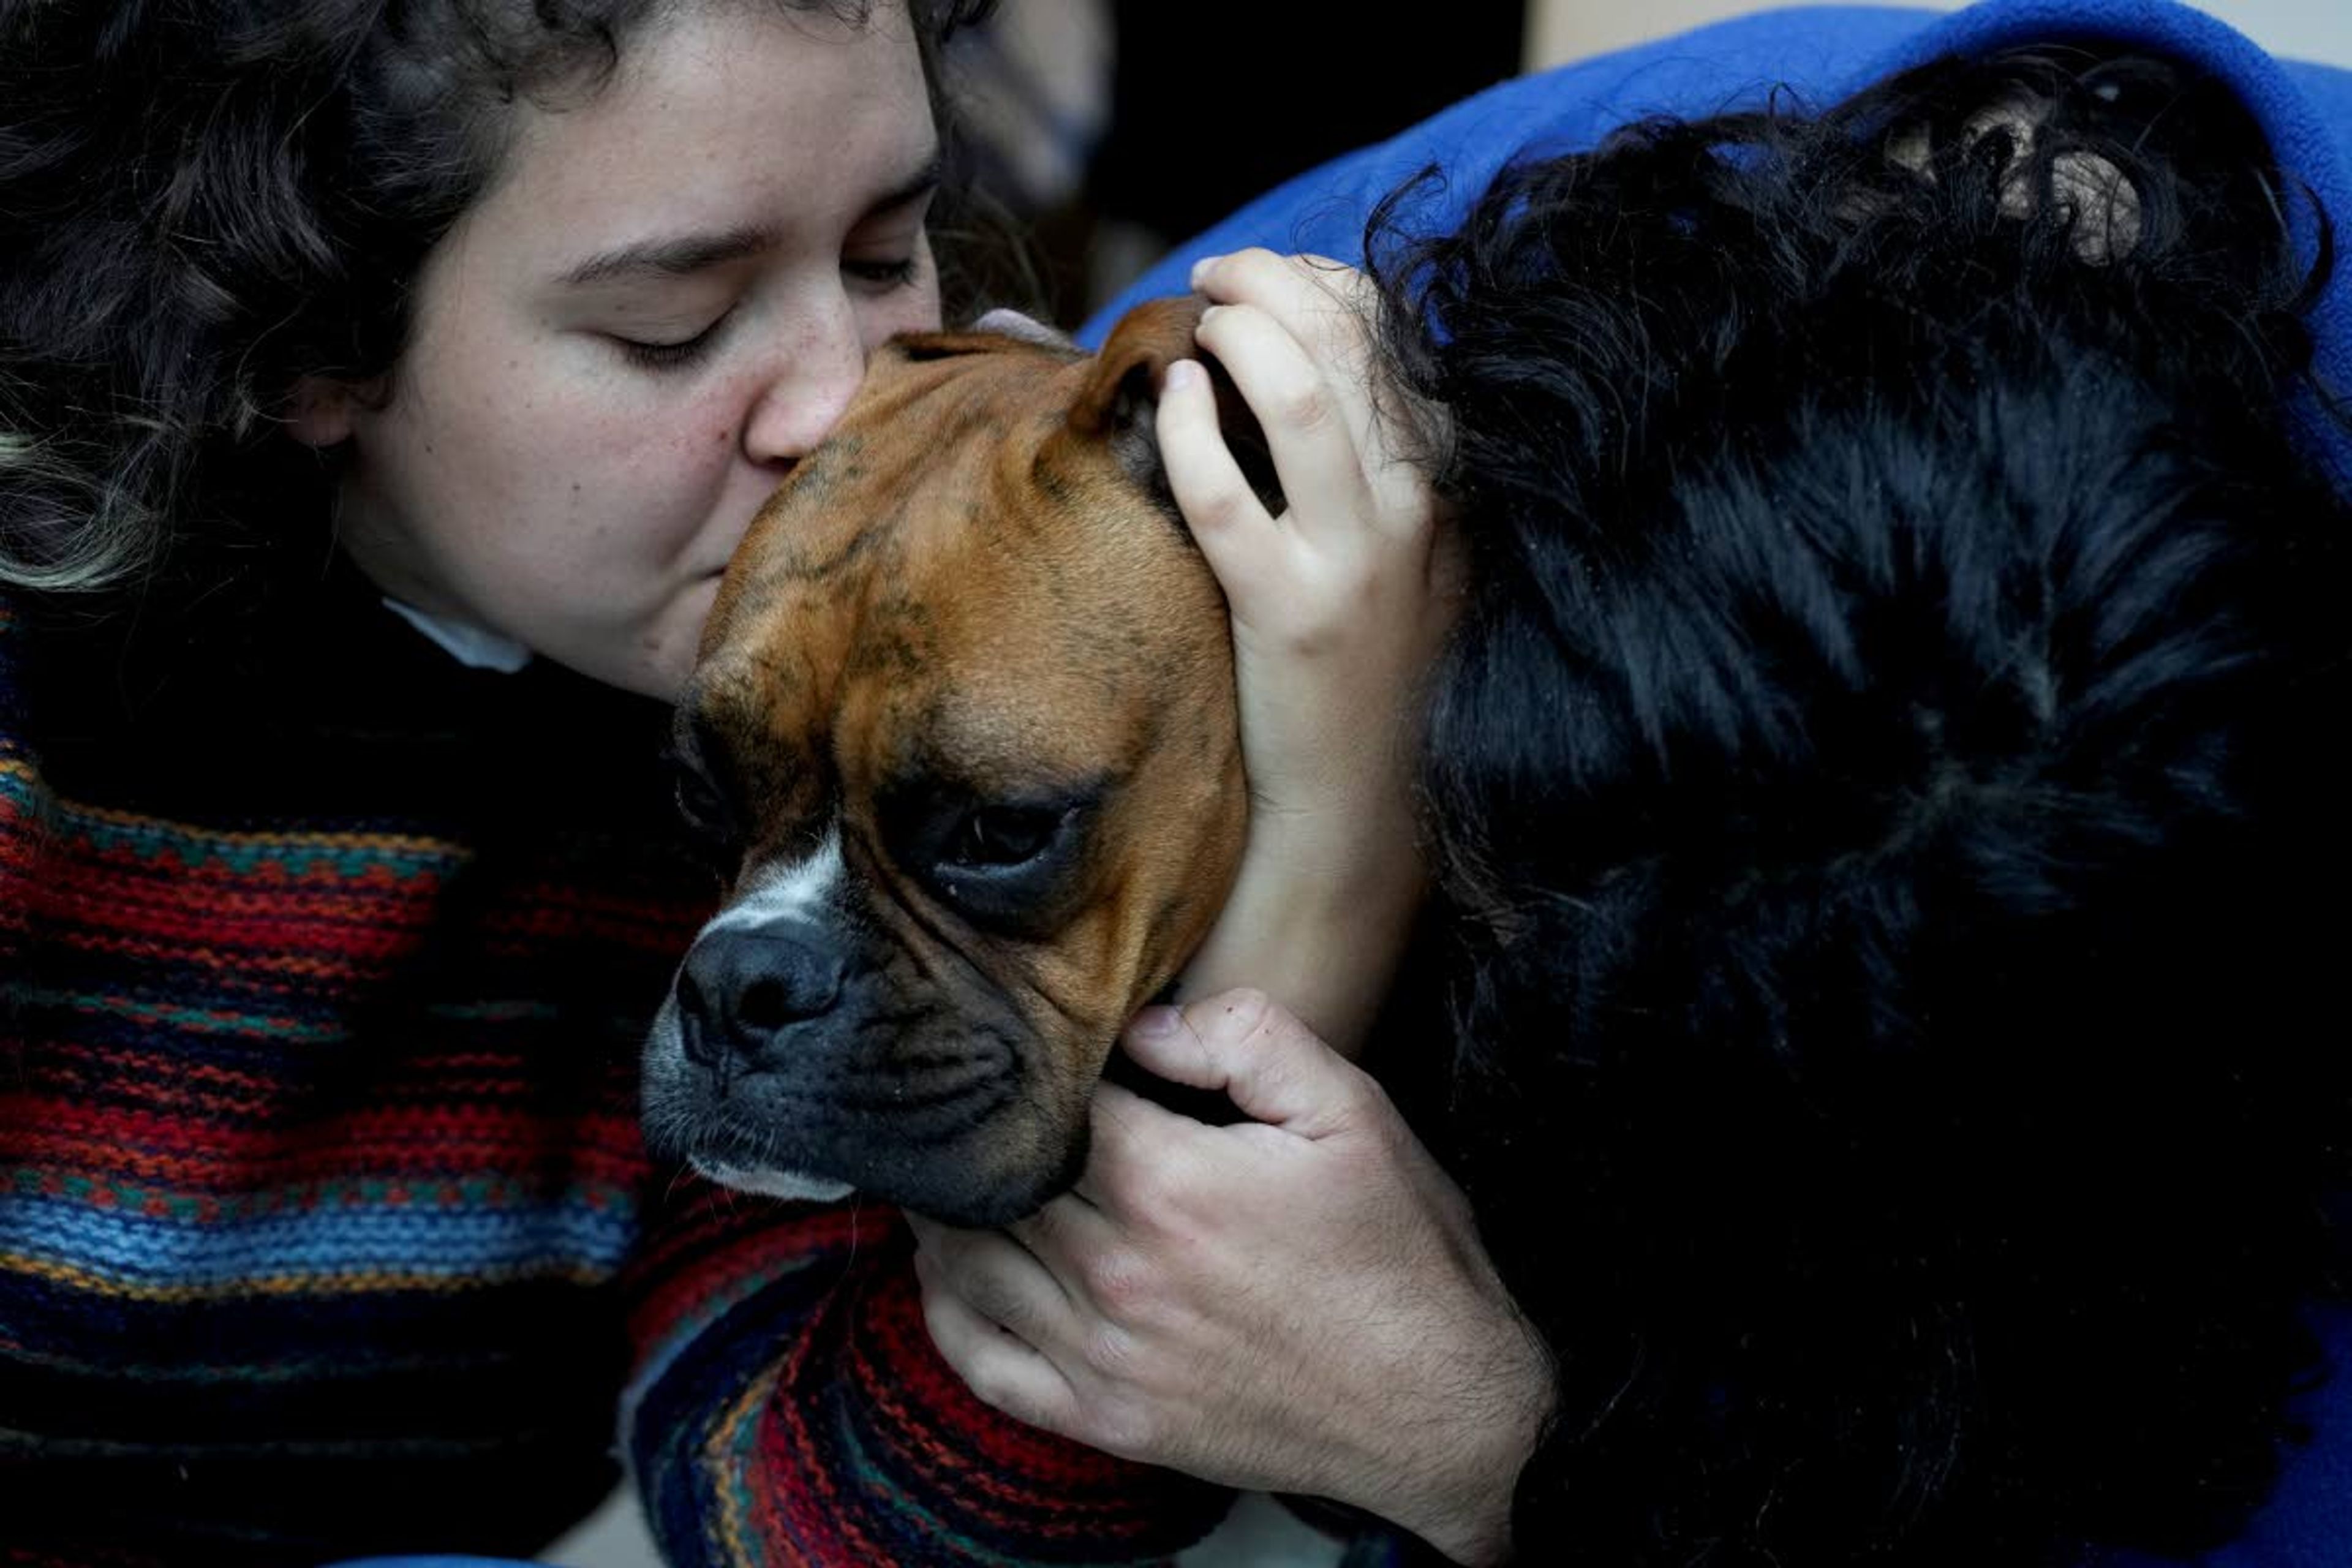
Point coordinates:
[[959, 450], [937, 412], [944, 592]]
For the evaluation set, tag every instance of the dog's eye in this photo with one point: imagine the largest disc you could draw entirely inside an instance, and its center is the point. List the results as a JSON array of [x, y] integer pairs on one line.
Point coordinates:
[[1004, 835], [699, 805], [1010, 865], [709, 816]]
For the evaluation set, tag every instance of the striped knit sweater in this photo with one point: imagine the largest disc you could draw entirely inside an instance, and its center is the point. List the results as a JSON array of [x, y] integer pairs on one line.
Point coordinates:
[[324, 1225]]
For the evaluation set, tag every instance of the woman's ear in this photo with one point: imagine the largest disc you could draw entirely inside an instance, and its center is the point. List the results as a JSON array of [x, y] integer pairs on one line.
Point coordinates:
[[321, 411]]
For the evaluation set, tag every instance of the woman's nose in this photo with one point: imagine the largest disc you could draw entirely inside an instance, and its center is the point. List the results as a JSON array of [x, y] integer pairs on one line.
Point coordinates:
[[818, 365]]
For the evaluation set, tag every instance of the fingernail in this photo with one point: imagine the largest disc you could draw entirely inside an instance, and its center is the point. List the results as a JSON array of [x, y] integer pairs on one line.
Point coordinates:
[[1154, 1022], [1201, 267], [1182, 373]]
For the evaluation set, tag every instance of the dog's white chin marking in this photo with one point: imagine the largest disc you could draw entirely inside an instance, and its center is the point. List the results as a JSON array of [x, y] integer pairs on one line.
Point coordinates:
[[791, 1185]]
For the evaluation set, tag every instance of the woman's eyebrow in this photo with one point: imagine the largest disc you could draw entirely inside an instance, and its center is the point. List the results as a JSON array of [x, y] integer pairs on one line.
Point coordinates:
[[921, 182], [675, 256], [670, 257]]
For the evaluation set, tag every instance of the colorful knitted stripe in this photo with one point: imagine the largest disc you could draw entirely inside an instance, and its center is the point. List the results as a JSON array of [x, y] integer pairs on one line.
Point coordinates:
[[164, 1160], [317, 1160], [791, 1409]]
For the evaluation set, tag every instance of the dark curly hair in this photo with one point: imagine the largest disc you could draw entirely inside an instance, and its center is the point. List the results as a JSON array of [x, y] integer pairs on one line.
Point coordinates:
[[1887, 811], [202, 201]]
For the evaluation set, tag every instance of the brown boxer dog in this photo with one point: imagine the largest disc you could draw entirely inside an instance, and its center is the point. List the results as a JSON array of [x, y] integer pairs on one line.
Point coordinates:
[[963, 732]]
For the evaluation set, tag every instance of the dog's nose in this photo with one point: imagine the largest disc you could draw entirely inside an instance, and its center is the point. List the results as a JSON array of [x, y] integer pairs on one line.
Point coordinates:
[[740, 986]]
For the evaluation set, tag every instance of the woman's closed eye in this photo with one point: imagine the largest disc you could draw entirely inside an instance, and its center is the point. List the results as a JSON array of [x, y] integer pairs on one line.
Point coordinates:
[[659, 353], [883, 274]]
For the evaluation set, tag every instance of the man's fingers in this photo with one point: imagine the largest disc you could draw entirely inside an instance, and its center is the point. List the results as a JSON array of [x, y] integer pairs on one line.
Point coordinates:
[[1333, 311], [999, 1279], [1002, 1370], [1273, 1068]]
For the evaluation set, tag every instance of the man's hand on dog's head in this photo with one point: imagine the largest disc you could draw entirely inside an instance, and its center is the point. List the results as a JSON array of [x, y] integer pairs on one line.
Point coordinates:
[[1339, 605]]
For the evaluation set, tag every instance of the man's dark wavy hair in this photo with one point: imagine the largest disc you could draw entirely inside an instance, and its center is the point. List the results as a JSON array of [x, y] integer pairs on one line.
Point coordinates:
[[1884, 793], [202, 201]]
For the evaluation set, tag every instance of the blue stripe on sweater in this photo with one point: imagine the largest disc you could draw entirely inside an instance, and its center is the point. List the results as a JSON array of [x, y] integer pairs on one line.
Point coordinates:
[[419, 1242]]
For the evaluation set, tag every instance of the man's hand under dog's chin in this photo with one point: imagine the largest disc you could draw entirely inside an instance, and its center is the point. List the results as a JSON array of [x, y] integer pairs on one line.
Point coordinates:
[[1197, 1300]]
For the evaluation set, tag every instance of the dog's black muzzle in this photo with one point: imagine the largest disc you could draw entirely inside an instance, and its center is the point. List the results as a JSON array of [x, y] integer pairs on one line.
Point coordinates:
[[749, 998]]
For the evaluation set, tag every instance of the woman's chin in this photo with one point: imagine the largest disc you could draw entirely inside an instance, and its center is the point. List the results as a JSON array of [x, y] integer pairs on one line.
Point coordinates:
[[668, 651], [654, 655]]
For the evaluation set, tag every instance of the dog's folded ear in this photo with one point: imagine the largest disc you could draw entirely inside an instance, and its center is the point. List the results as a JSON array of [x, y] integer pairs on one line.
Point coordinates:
[[1122, 396]]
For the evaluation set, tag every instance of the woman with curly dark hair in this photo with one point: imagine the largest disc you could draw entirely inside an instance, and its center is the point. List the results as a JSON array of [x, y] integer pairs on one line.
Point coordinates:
[[384, 384]]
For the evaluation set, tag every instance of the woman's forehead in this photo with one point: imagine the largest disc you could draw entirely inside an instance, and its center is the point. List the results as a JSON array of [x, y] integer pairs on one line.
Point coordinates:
[[722, 116]]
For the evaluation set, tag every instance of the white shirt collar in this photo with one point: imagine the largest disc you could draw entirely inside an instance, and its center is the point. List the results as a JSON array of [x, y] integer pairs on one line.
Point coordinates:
[[468, 645]]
